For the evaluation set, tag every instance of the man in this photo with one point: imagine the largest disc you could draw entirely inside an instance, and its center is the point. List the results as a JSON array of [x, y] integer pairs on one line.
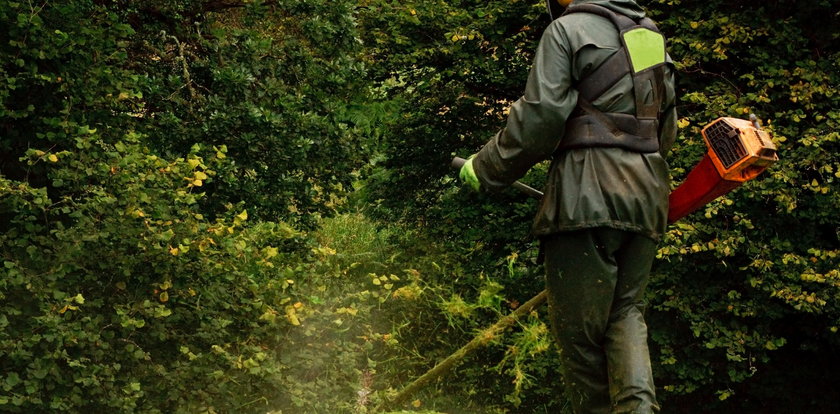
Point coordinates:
[[606, 198]]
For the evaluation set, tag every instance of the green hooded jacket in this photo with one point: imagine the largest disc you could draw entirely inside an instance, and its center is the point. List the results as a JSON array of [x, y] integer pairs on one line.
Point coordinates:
[[587, 187]]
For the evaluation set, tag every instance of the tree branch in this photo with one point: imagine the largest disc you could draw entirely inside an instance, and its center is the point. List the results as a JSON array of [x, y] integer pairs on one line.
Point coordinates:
[[480, 340]]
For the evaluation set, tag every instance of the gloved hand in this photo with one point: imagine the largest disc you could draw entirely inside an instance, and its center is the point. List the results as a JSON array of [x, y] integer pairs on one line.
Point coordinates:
[[468, 176]]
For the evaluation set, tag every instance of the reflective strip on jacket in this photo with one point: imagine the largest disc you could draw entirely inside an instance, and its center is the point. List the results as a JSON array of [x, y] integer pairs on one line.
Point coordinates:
[[588, 187]]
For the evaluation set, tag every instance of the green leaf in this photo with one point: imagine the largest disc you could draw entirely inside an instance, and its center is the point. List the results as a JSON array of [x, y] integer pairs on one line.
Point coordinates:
[[12, 379]]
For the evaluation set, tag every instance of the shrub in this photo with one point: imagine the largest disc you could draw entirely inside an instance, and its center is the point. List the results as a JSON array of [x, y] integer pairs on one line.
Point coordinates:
[[123, 296], [158, 162]]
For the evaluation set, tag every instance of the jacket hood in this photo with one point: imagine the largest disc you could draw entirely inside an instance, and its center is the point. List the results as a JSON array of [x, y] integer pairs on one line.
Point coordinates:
[[628, 8]]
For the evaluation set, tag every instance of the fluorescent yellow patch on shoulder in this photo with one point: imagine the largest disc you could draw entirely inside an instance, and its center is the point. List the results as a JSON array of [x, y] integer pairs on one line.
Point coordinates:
[[645, 47]]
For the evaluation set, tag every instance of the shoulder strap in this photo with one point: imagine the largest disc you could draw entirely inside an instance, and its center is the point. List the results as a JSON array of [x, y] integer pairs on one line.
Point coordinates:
[[616, 66], [591, 127]]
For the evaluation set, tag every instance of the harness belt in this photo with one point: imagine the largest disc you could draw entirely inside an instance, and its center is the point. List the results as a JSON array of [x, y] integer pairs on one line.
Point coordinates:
[[641, 56]]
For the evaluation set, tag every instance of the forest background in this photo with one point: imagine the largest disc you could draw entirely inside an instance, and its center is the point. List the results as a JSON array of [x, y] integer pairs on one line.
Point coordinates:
[[245, 206]]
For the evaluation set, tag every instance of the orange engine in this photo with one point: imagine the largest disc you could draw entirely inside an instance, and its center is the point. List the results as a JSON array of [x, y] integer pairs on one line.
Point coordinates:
[[738, 151]]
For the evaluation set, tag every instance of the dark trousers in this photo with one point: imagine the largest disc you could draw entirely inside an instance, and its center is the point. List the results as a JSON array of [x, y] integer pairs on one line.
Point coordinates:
[[596, 280]]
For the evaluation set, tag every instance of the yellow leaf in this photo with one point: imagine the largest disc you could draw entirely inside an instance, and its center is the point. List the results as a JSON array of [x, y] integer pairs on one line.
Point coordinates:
[[243, 215], [324, 251], [52, 158], [67, 308], [166, 285], [350, 311], [268, 315], [291, 315], [174, 251], [193, 162], [200, 175], [416, 403], [164, 296], [197, 183]]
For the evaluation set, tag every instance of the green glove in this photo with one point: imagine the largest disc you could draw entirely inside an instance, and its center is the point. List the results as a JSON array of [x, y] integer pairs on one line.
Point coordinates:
[[468, 176]]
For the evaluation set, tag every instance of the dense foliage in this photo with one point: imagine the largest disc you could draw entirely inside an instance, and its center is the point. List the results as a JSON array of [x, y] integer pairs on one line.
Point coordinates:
[[744, 293], [169, 169], [159, 160]]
